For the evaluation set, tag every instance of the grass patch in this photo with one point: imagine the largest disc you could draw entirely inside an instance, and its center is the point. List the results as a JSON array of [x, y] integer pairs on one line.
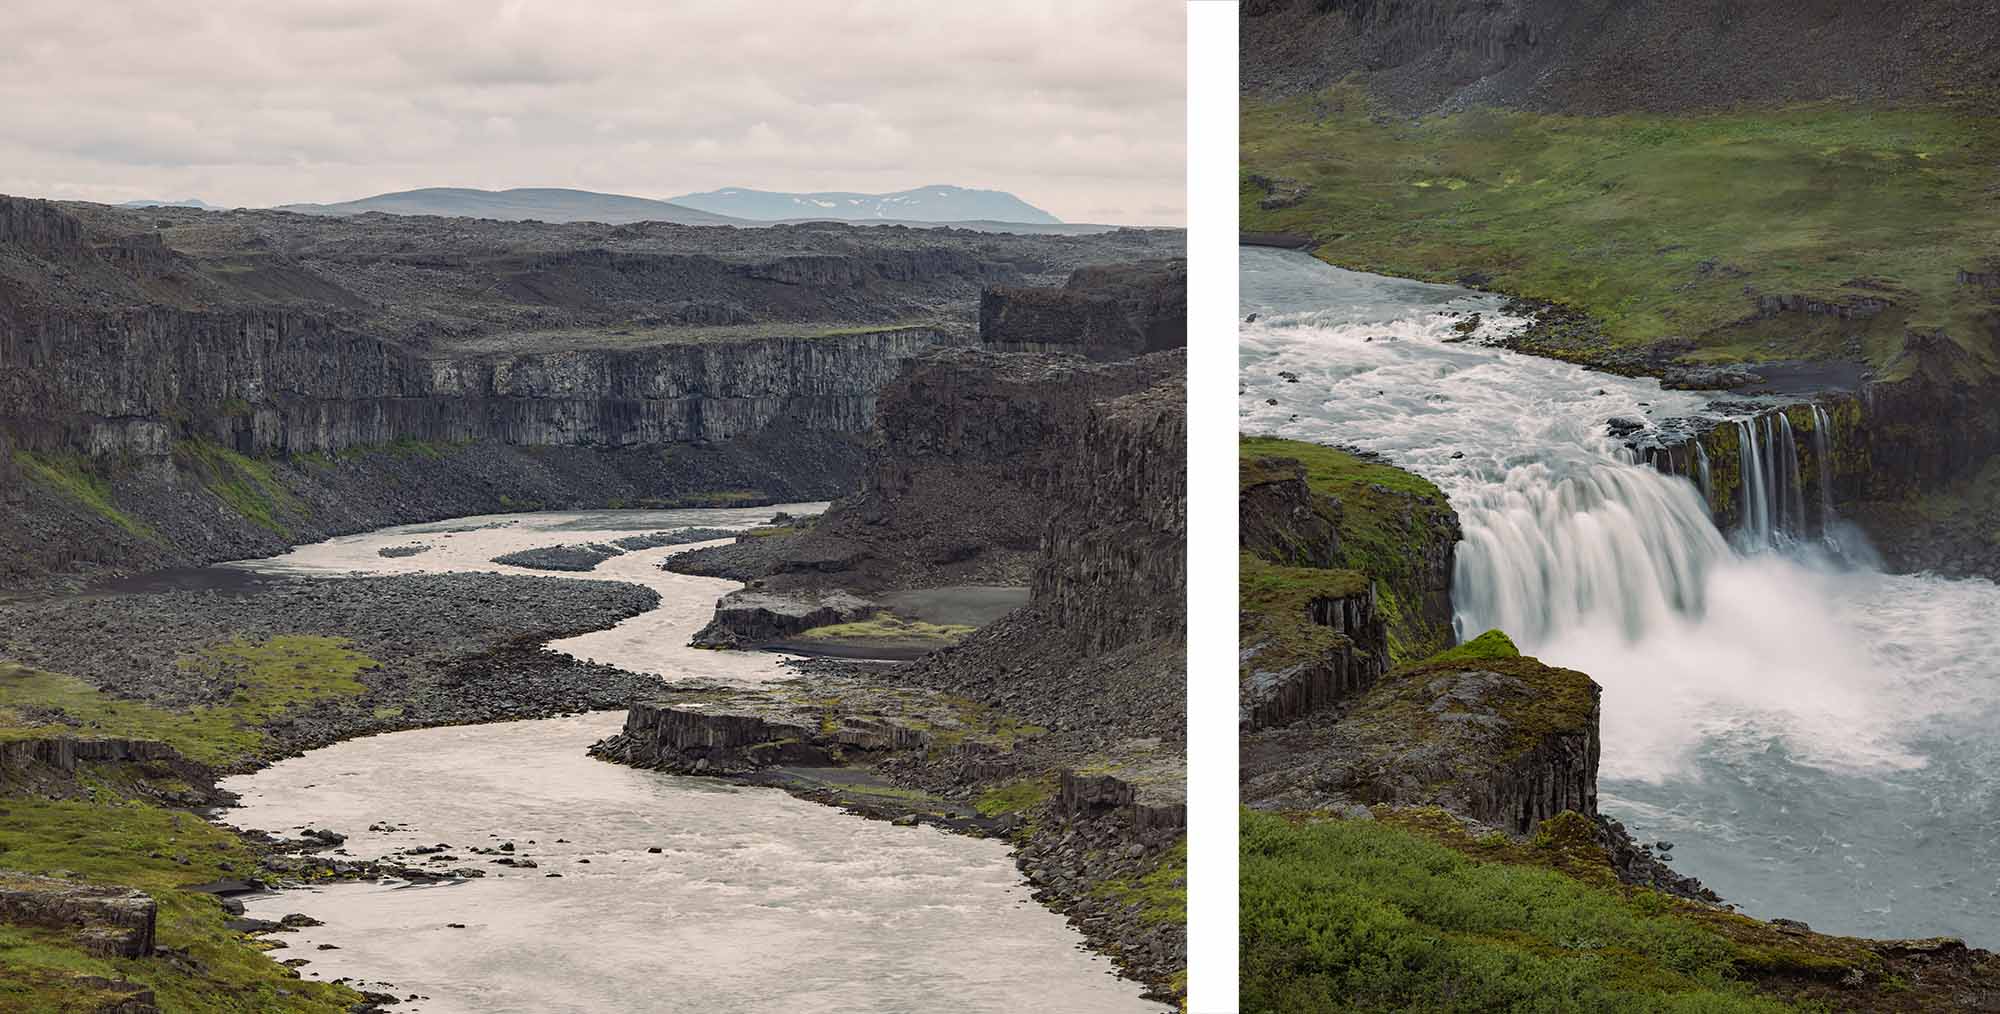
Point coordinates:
[[889, 627], [70, 474], [1655, 224], [162, 852], [1016, 796], [1160, 894], [273, 678], [1491, 645], [246, 484], [1360, 916]]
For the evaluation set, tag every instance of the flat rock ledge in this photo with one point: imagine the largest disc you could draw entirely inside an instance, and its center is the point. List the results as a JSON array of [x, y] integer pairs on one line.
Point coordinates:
[[750, 618], [110, 922], [740, 731], [732, 732]]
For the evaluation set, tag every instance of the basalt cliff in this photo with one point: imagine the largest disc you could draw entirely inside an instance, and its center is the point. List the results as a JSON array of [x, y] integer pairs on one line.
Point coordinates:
[[179, 386]]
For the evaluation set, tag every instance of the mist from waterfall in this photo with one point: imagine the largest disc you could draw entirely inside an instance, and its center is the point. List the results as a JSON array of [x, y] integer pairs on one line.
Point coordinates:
[[1765, 689]]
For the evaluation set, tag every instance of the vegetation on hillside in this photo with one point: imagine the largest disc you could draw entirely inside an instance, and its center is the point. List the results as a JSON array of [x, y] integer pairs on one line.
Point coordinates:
[[1656, 226], [1359, 915]]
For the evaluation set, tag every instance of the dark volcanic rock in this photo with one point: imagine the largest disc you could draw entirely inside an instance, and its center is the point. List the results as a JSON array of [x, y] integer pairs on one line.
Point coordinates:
[[147, 352], [1579, 57], [749, 618], [576, 558], [451, 647], [1509, 742], [1282, 519], [1104, 312], [957, 490], [681, 537]]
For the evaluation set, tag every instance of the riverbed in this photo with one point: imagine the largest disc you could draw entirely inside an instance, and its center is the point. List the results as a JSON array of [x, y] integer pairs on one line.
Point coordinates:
[[1812, 735], [647, 891]]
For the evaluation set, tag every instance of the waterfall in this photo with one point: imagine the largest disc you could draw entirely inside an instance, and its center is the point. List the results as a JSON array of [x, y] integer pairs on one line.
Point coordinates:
[[1707, 485], [1792, 476], [1754, 525], [1617, 542], [1773, 495], [1823, 462]]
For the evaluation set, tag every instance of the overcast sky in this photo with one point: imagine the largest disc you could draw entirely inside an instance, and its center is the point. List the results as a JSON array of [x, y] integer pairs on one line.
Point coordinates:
[[1077, 107]]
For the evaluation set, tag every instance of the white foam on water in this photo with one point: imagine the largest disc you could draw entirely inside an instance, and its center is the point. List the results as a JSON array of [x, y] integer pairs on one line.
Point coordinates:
[[1740, 674]]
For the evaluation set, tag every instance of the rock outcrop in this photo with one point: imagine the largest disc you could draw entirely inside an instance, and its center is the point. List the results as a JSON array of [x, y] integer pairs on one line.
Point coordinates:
[[751, 618], [109, 922], [971, 444], [1104, 312]]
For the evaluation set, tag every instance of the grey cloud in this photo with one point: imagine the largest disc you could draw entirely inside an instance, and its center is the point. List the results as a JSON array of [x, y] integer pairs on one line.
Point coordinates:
[[1076, 107]]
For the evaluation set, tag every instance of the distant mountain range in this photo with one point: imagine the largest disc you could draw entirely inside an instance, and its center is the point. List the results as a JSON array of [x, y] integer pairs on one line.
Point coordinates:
[[186, 202], [543, 204], [924, 204], [960, 207]]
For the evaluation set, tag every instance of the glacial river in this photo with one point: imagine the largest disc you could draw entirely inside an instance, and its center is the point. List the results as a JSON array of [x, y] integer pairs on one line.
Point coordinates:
[[1814, 736], [650, 892]]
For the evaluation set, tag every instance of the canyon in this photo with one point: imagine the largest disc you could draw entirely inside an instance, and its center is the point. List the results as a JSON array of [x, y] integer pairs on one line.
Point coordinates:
[[180, 386], [185, 387]]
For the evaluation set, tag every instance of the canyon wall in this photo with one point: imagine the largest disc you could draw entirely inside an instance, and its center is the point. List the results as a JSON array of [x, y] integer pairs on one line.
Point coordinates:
[[180, 386], [280, 382]]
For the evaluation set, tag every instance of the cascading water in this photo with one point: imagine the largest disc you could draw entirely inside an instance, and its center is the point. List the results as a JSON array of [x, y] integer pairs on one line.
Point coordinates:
[[1812, 734], [1707, 483]]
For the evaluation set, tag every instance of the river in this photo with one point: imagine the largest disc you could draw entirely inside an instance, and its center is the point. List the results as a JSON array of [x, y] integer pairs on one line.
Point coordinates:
[[673, 893], [1812, 735]]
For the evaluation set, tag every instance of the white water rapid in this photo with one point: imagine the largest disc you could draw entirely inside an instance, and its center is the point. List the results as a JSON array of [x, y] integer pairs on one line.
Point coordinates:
[[1811, 733]]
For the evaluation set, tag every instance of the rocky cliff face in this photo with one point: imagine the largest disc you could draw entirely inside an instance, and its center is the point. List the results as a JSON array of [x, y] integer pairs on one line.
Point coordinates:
[[970, 444], [282, 382], [174, 384], [1113, 566], [1104, 312], [1418, 55]]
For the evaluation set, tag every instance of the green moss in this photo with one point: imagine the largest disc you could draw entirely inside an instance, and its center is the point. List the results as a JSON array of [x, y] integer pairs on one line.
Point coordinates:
[[246, 484], [161, 852], [1391, 523], [1360, 916], [1535, 702], [1490, 645], [273, 679], [71, 474], [889, 627], [1017, 796], [1160, 893], [1655, 225]]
